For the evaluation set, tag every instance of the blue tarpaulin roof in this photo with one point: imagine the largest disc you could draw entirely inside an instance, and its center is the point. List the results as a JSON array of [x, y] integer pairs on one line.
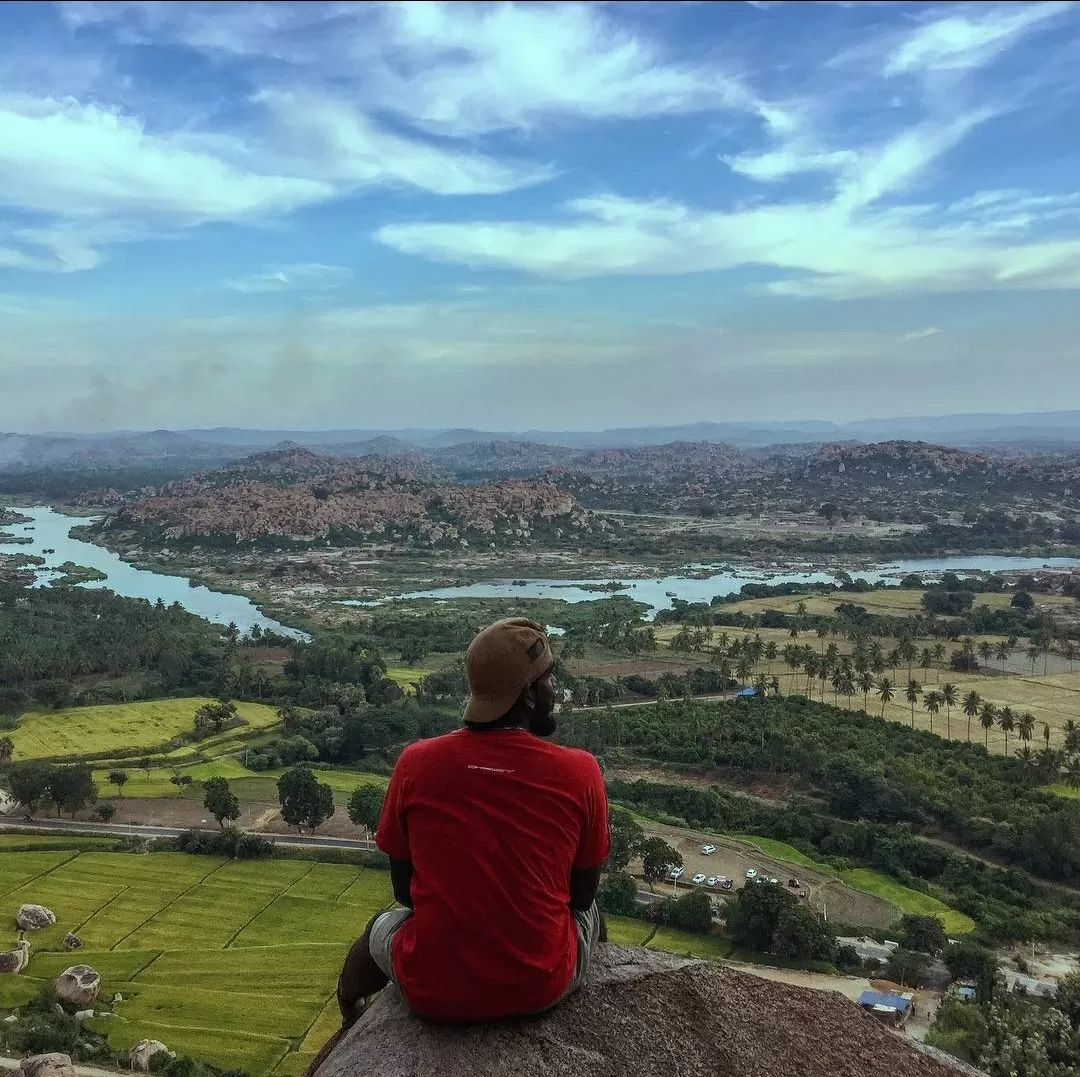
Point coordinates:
[[747, 692], [879, 998]]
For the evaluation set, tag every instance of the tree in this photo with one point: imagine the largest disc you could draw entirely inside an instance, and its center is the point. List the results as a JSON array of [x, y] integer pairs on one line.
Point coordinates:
[[1003, 650], [988, 719], [658, 858], [923, 934], [885, 692], [29, 783], [365, 807], [305, 801], [800, 933], [220, 801], [72, 788], [7, 750], [912, 694], [866, 686], [971, 704], [1025, 726], [147, 765], [626, 840], [948, 697], [906, 968], [119, 779], [105, 812], [1006, 723], [1021, 600], [753, 916], [932, 703], [692, 912], [618, 894], [214, 716]]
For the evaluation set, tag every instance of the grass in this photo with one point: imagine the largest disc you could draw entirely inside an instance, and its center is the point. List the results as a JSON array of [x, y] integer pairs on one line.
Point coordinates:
[[1060, 789], [684, 942], [231, 962], [906, 899], [779, 850], [626, 931], [89, 731]]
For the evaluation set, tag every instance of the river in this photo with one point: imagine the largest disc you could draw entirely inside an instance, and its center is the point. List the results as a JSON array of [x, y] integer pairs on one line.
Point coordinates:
[[693, 586], [49, 531]]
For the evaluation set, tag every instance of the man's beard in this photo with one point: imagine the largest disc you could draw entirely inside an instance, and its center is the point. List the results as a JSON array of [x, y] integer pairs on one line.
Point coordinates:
[[542, 725]]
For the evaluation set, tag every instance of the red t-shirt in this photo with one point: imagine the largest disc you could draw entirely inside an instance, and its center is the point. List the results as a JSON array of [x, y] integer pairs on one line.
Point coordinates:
[[493, 822]]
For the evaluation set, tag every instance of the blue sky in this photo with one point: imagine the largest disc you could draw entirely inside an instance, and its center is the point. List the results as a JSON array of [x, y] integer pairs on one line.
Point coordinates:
[[514, 215]]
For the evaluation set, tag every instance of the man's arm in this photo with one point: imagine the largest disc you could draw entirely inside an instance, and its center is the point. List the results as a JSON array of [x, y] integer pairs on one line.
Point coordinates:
[[584, 884], [401, 881]]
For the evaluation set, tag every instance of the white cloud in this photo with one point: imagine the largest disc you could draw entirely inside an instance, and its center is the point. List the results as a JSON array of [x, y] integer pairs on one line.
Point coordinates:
[[921, 334], [823, 250], [970, 36], [338, 142], [291, 278]]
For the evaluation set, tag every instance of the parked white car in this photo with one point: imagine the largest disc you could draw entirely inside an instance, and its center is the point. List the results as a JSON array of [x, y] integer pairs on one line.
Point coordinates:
[[775, 882], [708, 850], [675, 873], [698, 879], [751, 873], [712, 880]]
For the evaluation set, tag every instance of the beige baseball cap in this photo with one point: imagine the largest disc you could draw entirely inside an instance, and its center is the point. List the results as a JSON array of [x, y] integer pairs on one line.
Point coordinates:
[[501, 661]]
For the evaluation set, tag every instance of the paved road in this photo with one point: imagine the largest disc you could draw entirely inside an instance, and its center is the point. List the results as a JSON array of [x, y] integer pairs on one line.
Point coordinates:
[[69, 826]]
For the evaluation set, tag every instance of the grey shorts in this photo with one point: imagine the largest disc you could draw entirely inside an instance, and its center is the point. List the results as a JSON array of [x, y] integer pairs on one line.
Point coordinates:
[[380, 942]]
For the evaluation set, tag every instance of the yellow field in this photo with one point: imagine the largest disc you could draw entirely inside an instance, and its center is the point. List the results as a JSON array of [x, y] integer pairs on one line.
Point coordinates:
[[1053, 700], [88, 731], [888, 603]]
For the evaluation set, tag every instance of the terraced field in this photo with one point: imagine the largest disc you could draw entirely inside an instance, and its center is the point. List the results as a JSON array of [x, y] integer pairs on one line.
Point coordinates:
[[231, 962], [88, 731]]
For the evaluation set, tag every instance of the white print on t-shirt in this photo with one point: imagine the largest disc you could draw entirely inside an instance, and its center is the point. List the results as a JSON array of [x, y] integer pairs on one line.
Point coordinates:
[[494, 770]]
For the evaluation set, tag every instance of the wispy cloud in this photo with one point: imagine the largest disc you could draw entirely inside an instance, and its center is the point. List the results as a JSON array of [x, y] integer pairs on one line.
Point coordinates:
[[292, 278], [921, 334], [970, 36]]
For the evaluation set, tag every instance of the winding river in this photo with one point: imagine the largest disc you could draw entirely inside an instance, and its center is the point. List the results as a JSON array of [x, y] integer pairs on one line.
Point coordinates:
[[697, 586], [49, 531]]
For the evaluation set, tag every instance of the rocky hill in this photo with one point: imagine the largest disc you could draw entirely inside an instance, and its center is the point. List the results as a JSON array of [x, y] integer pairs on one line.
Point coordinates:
[[644, 1014], [298, 495], [892, 459]]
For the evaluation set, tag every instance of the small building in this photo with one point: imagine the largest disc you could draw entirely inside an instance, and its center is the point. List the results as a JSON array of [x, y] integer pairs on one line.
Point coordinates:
[[1028, 985], [966, 992], [893, 1010], [869, 949]]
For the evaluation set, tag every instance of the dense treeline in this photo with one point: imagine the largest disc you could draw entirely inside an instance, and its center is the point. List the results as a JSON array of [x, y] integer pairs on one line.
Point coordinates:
[[52, 637], [869, 769], [1006, 904]]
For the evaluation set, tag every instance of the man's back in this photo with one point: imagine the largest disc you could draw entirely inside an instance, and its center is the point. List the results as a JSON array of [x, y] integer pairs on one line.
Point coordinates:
[[493, 822]]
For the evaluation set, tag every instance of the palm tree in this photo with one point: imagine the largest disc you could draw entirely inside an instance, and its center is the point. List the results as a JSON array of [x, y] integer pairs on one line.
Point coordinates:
[[914, 690], [885, 692], [1026, 757], [866, 683], [926, 659], [988, 719], [971, 704], [847, 685], [770, 652], [1033, 653], [821, 632], [907, 652], [1025, 726], [1072, 737], [1072, 773], [892, 660], [1046, 733], [744, 667], [948, 697], [932, 703], [1003, 650], [1006, 723], [986, 650]]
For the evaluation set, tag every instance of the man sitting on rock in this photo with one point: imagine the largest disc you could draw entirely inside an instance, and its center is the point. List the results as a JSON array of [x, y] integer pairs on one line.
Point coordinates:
[[496, 840]]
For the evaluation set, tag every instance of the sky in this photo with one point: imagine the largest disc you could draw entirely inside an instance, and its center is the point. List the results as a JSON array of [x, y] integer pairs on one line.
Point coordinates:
[[510, 216]]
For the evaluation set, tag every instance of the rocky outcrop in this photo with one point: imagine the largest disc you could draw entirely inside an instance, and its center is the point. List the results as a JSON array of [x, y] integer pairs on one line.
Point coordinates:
[[642, 1014], [78, 985], [139, 1056], [34, 917], [51, 1065], [72, 941], [15, 960]]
